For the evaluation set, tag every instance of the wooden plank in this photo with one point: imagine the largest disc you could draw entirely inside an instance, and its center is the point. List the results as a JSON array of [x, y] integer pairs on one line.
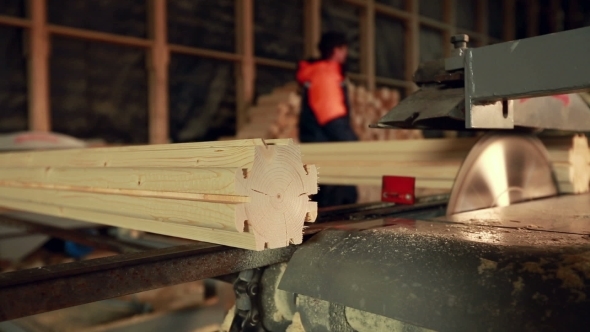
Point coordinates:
[[158, 60], [98, 36], [215, 215], [38, 68], [384, 9], [398, 158], [204, 53], [206, 154], [312, 27], [368, 66], [405, 146], [377, 181], [12, 21], [257, 186], [433, 171], [275, 63], [246, 73], [151, 181], [234, 239]]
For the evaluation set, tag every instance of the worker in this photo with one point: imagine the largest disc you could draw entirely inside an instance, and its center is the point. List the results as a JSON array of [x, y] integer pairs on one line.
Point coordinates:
[[325, 109]]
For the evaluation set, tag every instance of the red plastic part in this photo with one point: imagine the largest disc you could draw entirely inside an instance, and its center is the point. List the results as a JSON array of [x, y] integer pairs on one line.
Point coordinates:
[[398, 189]]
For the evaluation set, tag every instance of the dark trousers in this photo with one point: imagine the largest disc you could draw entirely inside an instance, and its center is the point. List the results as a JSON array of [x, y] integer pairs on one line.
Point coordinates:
[[335, 195]]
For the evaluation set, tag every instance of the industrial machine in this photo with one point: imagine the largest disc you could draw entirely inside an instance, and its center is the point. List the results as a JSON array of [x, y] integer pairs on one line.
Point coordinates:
[[502, 252]]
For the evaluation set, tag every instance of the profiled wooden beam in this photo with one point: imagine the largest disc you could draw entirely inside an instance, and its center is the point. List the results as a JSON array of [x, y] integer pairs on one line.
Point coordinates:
[[38, 68], [312, 27], [368, 43], [14, 21], [412, 41], [246, 71], [249, 193], [158, 60]]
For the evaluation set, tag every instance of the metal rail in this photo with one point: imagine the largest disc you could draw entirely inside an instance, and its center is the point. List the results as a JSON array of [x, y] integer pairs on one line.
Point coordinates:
[[33, 291]]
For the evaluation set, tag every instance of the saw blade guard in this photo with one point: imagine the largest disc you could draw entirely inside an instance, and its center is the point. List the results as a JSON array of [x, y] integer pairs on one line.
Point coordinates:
[[500, 170]]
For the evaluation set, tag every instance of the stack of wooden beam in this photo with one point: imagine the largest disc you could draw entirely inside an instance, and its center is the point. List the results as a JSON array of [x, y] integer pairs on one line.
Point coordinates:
[[367, 107], [277, 115], [434, 162], [247, 193], [571, 163]]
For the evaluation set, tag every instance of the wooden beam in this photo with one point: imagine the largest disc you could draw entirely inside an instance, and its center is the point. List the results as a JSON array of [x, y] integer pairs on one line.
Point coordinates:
[[412, 41], [15, 21], [312, 27], [368, 43], [246, 71], [533, 12], [387, 10], [450, 18], [275, 63], [434, 24], [38, 68], [204, 53], [509, 16], [394, 82], [98, 36], [482, 22], [250, 193], [434, 162], [158, 60]]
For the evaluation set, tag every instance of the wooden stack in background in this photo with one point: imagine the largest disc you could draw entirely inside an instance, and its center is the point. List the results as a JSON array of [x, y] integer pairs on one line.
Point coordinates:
[[247, 193], [570, 158], [277, 115], [367, 107], [274, 116]]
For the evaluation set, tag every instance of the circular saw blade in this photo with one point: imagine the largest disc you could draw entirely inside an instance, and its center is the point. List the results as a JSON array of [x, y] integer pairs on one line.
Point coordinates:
[[500, 170]]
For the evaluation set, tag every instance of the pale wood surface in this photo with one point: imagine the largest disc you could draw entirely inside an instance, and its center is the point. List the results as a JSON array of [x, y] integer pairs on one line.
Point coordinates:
[[253, 186], [203, 214], [178, 180], [570, 157], [208, 154], [229, 238]]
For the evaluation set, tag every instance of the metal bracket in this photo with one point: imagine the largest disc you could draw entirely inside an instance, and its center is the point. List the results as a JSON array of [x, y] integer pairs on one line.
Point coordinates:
[[494, 115]]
